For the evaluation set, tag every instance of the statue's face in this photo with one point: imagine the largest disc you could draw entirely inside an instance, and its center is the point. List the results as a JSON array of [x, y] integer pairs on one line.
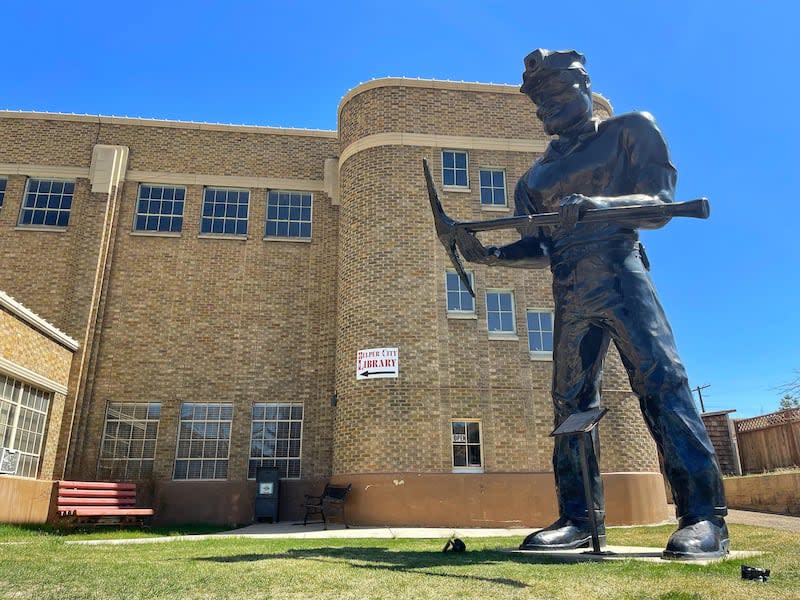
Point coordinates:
[[563, 101]]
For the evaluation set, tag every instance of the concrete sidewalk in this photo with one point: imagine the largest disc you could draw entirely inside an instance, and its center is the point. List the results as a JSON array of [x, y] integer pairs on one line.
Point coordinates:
[[336, 530], [313, 531]]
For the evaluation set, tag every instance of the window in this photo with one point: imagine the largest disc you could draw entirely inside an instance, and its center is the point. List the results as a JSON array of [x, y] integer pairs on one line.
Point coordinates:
[[459, 300], [493, 188], [454, 168], [540, 333], [500, 312], [276, 433], [204, 437], [47, 203], [23, 415], [129, 440], [288, 215], [159, 208], [225, 211], [3, 182], [466, 439]]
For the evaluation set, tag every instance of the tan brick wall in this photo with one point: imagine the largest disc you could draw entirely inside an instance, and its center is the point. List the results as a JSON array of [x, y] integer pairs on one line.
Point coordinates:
[[449, 368], [29, 348]]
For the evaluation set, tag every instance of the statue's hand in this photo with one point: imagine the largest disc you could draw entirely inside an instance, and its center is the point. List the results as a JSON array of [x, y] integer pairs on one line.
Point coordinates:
[[573, 207], [471, 248]]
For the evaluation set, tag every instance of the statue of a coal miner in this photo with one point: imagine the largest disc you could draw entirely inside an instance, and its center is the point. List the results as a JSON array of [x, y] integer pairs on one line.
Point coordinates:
[[603, 292]]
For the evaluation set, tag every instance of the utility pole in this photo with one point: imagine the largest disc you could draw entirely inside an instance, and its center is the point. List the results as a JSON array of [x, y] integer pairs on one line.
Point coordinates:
[[699, 389]]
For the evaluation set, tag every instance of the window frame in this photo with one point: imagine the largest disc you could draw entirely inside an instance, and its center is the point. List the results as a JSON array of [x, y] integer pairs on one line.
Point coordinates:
[[15, 422], [3, 187], [502, 333], [254, 462], [289, 221], [34, 209], [159, 216], [492, 188], [224, 218], [201, 439], [461, 291], [108, 471], [455, 170], [540, 354], [468, 468]]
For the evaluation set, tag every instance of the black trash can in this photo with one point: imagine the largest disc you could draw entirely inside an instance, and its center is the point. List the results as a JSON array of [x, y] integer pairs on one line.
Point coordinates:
[[267, 493]]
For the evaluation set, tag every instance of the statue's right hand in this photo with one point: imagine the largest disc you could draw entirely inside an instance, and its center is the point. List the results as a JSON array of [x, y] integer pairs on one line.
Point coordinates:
[[471, 248]]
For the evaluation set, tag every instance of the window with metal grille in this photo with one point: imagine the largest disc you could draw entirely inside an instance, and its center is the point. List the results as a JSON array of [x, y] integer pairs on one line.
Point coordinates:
[[129, 440], [493, 188], [159, 208], [47, 203], [276, 438], [288, 215], [225, 211], [466, 440], [204, 437], [23, 417], [454, 168]]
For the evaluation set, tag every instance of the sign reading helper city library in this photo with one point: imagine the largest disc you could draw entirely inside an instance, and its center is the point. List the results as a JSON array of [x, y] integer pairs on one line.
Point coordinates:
[[376, 363]]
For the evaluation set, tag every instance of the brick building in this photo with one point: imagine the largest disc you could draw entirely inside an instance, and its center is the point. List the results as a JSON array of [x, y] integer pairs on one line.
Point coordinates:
[[220, 281]]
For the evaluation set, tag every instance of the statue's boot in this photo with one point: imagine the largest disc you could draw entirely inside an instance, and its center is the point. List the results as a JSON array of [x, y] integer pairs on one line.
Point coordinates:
[[698, 538], [564, 534]]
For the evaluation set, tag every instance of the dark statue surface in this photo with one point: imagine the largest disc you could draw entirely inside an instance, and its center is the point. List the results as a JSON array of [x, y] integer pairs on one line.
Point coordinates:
[[603, 293]]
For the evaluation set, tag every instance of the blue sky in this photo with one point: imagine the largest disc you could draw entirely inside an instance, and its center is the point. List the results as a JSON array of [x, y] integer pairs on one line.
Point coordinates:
[[720, 78]]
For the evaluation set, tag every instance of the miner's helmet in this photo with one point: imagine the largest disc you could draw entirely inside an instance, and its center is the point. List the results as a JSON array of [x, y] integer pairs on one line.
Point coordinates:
[[541, 65]]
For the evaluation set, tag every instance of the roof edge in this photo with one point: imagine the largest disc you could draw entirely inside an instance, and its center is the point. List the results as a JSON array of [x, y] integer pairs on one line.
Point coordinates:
[[37, 322]]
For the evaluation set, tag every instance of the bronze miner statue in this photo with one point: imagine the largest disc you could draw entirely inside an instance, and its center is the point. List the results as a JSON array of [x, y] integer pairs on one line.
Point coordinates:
[[603, 293]]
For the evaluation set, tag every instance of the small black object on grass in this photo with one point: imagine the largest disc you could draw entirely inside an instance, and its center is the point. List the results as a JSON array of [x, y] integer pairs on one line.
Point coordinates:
[[755, 574], [454, 545]]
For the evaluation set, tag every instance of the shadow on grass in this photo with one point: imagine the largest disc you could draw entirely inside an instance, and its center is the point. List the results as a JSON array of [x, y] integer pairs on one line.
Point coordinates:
[[401, 562]]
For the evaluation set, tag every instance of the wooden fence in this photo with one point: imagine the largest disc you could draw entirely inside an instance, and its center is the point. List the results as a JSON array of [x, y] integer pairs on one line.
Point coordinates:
[[769, 442]]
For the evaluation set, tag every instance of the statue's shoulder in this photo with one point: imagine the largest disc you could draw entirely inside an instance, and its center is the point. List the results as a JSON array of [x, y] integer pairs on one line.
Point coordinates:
[[633, 125]]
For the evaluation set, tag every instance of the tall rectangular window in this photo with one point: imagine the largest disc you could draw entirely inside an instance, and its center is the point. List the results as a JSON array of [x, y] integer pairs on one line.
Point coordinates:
[[275, 438], [23, 416], [159, 208], [129, 440], [540, 333], [493, 188], [204, 439], [288, 215], [466, 441], [459, 300], [47, 203], [500, 312], [225, 211], [3, 182], [454, 168]]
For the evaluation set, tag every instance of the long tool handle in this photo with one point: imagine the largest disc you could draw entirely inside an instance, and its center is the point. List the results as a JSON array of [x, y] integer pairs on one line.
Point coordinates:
[[697, 209]]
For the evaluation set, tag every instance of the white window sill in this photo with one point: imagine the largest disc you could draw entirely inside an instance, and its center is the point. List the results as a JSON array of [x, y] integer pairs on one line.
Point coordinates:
[[170, 234], [510, 337], [456, 188], [541, 356], [495, 208], [222, 236], [467, 469], [462, 316], [275, 238], [50, 228]]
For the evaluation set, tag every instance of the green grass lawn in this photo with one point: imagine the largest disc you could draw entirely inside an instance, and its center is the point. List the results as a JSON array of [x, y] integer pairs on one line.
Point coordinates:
[[39, 563]]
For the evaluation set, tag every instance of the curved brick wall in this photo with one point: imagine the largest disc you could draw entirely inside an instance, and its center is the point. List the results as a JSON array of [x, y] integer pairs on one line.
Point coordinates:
[[391, 293]]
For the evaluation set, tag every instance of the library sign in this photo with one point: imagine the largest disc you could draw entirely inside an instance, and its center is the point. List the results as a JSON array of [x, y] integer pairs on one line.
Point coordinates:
[[376, 363]]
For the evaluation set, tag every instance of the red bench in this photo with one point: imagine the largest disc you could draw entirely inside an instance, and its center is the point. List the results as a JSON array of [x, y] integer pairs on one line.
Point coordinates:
[[100, 503]]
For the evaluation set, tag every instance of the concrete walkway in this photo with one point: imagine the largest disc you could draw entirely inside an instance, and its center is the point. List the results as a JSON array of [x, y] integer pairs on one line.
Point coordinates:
[[287, 530]]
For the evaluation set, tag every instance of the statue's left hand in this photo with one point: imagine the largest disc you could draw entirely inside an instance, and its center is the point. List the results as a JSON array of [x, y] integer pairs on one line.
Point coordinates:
[[573, 207]]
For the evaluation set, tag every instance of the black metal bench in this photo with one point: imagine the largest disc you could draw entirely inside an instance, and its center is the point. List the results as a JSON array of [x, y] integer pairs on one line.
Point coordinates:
[[332, 498]]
